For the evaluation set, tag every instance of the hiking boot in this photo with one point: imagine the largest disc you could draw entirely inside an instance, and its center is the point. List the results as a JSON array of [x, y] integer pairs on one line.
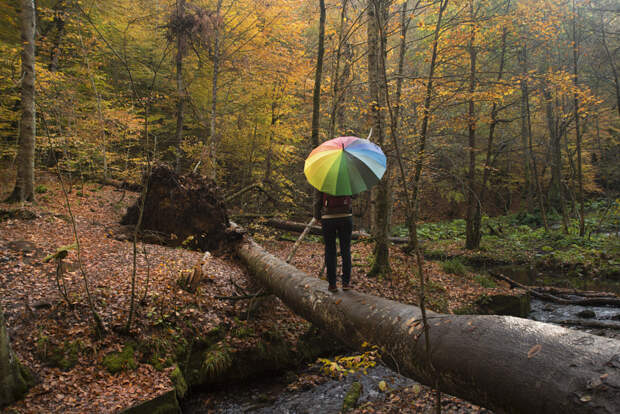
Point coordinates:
[[332, 288], [346, 286]]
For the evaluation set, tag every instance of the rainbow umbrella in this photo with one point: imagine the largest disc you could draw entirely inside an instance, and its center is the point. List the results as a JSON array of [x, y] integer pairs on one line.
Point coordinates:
[[345, 166]]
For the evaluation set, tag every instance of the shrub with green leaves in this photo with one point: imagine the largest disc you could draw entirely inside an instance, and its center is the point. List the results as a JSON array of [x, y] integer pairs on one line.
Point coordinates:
[[485, 281], [454, 266]]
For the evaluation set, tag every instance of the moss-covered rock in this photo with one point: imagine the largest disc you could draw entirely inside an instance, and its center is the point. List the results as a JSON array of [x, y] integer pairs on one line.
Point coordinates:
[[166, 403], [120, 361], [180, 385], [211, 360], [350, 399], [63, 355], [15, 379], [158, 352], [517, 305]]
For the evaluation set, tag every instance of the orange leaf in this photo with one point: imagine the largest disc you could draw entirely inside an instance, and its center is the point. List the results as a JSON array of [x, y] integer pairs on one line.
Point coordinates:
[[534, 350]]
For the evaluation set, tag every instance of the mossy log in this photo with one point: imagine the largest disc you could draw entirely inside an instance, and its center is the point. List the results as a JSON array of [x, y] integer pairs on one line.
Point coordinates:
[[505, 363]]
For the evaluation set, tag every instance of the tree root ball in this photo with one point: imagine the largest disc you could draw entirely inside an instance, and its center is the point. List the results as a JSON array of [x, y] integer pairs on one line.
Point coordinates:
[[182, 210]]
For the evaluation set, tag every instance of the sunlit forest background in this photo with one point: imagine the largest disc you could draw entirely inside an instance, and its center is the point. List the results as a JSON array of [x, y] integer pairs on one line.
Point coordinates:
[[225, 88]]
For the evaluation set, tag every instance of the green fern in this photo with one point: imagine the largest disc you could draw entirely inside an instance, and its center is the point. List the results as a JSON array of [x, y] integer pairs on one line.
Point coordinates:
[[217, 360]]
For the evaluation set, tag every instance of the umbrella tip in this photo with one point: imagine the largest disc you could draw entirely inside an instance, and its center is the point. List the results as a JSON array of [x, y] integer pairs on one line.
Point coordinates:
[[369, 134]]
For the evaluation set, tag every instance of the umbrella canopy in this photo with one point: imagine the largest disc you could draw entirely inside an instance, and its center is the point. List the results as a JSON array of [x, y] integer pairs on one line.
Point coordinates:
[[345, 166]]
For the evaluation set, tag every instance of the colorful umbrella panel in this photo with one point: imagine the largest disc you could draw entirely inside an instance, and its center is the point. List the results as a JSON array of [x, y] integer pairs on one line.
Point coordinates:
[[345, 166]]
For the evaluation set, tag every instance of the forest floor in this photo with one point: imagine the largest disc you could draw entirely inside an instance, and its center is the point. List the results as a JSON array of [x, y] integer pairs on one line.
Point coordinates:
[[56, 339]]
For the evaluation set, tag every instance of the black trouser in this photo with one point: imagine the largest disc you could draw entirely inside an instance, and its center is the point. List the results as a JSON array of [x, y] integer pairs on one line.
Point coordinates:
[[340, 227]]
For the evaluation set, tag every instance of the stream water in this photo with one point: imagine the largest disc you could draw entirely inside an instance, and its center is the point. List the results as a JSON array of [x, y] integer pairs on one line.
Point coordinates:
[[270, 395]]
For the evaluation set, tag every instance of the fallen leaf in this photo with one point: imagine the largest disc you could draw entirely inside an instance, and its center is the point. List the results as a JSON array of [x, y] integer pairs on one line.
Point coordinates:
[[534, 350]]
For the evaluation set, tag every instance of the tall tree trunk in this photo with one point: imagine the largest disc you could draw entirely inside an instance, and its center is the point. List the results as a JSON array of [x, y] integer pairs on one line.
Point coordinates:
[[413, 245], [503, 363], [316, 96], [272, 133], [336, 82], [405, 18], [612, 64], [487, 162], [59, 24], [555, 138], [582, 225], [24, 183], [216, 72], [532, 157], [180, 20], [524, 126], [472, 239], [93, 85], [13, 382], [377, 14]]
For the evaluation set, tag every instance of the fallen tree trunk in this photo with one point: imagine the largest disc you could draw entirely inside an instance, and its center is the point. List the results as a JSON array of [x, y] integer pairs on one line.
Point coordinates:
[[504, 363], [300, 227]]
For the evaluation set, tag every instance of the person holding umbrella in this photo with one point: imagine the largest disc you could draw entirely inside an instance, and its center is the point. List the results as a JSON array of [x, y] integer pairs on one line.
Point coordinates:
[[340, 168]]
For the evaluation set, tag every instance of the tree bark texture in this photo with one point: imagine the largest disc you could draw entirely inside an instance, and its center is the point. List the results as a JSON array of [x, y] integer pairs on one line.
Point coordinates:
[[24, 183], [217, 39], [504, 363], [13, 385], [377, 16]]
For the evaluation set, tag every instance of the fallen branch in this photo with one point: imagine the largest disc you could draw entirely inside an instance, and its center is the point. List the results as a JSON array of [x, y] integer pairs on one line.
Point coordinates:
[[298, 242], [244, 190], [300, 227], [593, 301], [590, 323]]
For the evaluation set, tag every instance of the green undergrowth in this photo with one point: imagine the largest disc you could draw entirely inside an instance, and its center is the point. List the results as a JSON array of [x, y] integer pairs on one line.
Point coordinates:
[[521, 238], [454, 266]]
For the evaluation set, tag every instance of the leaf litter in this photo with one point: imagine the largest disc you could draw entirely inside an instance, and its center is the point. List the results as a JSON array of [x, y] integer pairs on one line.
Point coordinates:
[[36, 312]]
